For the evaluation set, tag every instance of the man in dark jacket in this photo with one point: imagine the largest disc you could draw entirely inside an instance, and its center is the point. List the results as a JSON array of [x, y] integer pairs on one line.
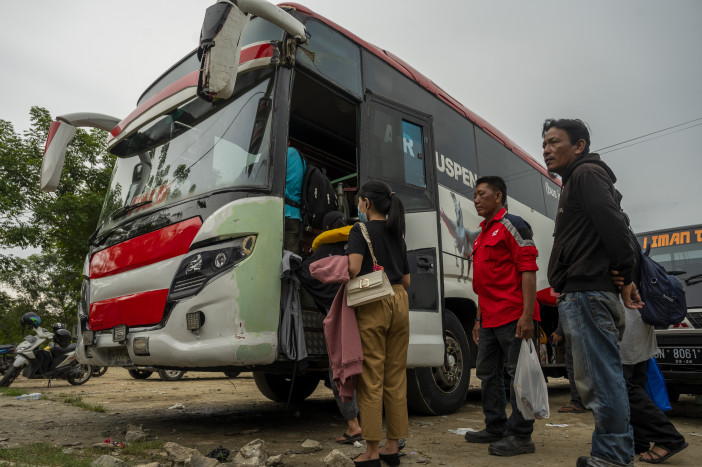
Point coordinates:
[[591, 239]]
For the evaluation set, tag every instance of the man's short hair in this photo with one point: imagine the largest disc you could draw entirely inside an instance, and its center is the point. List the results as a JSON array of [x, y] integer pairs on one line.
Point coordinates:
[[575, 128], [496, 184]]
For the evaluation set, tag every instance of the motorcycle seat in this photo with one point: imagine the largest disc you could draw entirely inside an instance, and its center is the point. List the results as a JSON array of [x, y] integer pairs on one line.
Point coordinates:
[[57, 350], [7, 347]]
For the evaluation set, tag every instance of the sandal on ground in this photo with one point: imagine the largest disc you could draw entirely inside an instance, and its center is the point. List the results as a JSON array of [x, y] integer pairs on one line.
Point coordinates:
[[366, 463], [391, 459], [655, 458], [349, 439], [571, 408]]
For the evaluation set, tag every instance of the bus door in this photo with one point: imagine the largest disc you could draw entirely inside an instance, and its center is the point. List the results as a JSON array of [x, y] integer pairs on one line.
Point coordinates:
[[396, 144]]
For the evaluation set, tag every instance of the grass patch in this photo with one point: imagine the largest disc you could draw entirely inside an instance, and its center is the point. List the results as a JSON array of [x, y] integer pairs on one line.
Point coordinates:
[[12, 392], [139, 452], [138, 448], [45, 454], [76, 401]]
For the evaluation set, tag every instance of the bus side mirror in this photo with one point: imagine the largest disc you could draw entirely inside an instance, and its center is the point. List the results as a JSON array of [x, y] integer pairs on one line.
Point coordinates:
[[219, 50], [60, 135], [220, 42]]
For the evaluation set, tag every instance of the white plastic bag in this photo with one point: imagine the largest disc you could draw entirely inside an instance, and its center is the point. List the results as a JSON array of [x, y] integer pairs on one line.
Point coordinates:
[[529, 384]]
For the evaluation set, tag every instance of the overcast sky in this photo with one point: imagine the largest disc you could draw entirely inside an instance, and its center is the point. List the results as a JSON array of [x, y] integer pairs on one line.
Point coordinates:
[[627, 67]]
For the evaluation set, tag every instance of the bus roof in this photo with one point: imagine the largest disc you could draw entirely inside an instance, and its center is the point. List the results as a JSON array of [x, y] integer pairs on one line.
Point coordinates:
[[407, 70]]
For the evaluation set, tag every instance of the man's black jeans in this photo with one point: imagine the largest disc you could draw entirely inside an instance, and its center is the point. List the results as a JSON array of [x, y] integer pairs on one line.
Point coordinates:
[[495, 345], [649, 423]]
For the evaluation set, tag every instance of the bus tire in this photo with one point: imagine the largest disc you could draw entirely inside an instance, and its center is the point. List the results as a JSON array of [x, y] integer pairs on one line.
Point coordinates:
[[277, 387], [140, 374], [442, 390], [230, 373]]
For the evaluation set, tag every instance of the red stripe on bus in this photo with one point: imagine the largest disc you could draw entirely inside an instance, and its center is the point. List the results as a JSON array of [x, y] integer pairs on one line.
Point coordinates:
[[141, 309], [255, 51], [247, 54], [53, 128], [186, 81], [146, 249]]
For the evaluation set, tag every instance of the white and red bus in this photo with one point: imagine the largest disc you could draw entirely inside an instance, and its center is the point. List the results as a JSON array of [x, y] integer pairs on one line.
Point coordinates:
[[679, 251], [184, 267]]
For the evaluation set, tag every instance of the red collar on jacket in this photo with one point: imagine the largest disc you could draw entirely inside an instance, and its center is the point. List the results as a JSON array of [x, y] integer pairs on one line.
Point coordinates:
[[484, 225]]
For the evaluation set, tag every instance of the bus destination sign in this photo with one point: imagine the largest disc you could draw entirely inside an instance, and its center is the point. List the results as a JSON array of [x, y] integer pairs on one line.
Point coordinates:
[[672, 238]]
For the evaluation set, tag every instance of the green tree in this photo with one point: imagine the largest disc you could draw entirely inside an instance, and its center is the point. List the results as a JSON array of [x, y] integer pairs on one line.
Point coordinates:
[[58, 224]]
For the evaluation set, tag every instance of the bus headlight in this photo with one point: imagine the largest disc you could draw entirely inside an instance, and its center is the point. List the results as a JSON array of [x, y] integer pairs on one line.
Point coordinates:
[[205, 264]]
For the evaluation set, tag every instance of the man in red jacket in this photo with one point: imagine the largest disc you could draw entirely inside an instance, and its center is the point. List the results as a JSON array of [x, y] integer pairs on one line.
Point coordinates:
[[504, 277]]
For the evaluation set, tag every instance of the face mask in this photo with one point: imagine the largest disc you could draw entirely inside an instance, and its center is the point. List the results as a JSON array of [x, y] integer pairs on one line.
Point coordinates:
[[362, 217]]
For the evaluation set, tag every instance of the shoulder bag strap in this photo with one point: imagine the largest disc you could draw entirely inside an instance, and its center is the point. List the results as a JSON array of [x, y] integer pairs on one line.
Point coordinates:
[[364, 231]]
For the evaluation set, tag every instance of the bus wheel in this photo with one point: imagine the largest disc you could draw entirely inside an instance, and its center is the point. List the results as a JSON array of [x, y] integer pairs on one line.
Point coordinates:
[[443, 389], [140, 374], [277, 387]]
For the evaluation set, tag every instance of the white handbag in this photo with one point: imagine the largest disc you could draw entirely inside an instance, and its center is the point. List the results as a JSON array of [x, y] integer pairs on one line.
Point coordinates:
[[368, 287]]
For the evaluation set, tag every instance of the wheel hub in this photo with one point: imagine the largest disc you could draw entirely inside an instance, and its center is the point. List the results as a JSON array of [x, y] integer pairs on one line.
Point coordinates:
[[449, 375]]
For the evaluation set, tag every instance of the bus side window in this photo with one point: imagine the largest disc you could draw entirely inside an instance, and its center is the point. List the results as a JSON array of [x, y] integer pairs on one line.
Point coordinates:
[[396, 146], [413, 148], [385, 146]]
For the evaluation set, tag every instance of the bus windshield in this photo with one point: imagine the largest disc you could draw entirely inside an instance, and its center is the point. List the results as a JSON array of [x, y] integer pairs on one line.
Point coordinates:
[[685, 261], [196, 148]]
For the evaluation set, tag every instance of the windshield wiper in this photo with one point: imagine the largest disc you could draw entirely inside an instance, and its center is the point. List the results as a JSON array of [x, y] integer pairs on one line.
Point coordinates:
[[116, 214], [689, 281], [124, 210]]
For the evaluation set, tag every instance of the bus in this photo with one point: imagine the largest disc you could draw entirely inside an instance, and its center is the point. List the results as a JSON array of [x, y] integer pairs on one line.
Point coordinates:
[[679, 251], [184, 267]]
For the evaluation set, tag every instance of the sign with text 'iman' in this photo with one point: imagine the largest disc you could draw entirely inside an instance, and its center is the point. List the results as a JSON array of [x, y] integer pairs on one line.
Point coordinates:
[[672, 237]]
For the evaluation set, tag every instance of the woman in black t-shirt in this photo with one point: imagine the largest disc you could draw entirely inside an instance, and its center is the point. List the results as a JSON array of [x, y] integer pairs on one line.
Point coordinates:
[[383, 325]]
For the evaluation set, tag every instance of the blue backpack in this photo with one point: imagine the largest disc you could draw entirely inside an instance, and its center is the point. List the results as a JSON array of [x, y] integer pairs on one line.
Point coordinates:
[[662, 293]]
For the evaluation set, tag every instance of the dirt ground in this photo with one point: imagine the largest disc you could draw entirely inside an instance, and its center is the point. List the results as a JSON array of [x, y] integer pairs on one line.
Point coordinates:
[[231, 412]]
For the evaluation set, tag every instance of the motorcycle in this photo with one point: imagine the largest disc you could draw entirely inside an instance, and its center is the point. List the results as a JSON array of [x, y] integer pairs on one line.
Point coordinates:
[[7, 356], [35, 362]]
